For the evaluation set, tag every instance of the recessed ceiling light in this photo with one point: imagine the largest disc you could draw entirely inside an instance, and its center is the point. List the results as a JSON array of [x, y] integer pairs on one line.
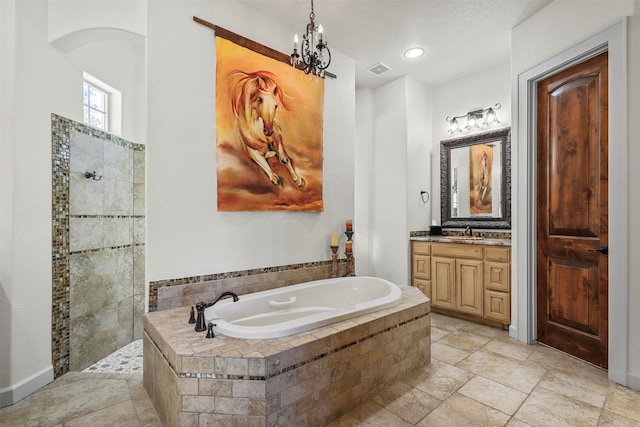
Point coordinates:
[[413, 52]]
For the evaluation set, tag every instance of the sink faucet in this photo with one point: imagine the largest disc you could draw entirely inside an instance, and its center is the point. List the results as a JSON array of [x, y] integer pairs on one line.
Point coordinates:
[[200, 306], [467, 231]]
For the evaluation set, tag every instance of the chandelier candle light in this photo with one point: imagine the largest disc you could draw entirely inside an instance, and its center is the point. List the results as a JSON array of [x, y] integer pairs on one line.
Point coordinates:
[[314, 57]]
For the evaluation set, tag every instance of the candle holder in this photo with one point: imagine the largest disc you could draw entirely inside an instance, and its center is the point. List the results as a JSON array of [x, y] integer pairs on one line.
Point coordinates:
[[334, 261], [349, 254], [350, 265]]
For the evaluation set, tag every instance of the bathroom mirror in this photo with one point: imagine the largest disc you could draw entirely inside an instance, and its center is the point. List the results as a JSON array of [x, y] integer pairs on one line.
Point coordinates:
[[475, 180]]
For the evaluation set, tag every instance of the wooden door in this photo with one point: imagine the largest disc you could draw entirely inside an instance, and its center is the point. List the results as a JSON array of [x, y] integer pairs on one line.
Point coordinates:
[[442, 282], [469, 289], [572, 213]]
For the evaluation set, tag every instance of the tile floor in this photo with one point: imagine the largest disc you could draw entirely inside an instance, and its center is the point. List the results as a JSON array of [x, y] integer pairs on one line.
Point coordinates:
[[127, 360], [478, 376]]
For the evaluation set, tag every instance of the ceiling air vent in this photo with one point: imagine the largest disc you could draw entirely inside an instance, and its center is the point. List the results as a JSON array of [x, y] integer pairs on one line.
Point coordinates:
[[379, 68]]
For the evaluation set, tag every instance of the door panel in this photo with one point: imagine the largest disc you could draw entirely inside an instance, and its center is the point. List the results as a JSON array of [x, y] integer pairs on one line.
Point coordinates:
[[572, 214], [442, 283], [469, 292], [573, 296]]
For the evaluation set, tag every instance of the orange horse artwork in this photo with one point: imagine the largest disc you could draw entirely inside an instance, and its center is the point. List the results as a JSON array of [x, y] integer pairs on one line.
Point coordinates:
[[256, 98], [269, 133]]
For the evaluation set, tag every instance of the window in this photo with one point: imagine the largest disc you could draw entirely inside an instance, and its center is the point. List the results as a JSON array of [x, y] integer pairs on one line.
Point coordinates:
[[102, 105], [95, 106]]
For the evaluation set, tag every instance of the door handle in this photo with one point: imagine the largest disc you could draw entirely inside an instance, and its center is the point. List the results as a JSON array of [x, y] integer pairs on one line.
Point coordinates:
[[602, 249]]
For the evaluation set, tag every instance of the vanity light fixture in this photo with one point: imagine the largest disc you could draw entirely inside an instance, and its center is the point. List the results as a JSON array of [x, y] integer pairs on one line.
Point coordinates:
[[475, 119], [315, 56]]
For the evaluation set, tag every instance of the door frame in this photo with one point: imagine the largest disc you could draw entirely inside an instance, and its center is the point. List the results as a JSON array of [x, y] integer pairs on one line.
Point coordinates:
[[612, 40]]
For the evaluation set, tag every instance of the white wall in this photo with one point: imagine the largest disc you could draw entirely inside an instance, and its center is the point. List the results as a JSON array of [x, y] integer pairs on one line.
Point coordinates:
[[481, 89], [544, 36], [67, 17], [186, 235], [363, 176], [633, 194], [392, 167], [419, 140], [120, 64], [389, 231], [37, 80], [7, 67], [26, 250]]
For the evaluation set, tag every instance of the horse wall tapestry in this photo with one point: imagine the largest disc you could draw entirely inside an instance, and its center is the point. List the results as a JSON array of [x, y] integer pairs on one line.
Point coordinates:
[[269, 133], [481, 160]]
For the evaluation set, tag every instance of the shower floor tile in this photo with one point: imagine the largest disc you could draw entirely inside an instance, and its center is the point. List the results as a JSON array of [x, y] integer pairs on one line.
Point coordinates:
[[127, 360]]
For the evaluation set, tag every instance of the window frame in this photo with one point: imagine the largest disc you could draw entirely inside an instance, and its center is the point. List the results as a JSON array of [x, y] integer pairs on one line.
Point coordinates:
[[113, 104]]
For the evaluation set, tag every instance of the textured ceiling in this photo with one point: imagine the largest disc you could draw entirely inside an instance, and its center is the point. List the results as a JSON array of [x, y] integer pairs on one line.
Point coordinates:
[[459, 36]]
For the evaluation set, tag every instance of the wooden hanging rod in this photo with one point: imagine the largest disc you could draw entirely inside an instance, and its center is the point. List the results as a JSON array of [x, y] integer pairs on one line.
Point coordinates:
[[250, 44]]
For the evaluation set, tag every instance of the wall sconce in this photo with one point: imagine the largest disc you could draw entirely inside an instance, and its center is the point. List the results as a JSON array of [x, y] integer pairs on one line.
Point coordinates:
[[474, 119]]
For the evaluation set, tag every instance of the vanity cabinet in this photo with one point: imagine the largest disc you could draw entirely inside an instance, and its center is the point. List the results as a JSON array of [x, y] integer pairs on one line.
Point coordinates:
[[421, 266], [469, 280], [497, 284]]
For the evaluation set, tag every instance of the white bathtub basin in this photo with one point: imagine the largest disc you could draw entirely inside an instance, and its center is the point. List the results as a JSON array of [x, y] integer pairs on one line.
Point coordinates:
[[293, 309]]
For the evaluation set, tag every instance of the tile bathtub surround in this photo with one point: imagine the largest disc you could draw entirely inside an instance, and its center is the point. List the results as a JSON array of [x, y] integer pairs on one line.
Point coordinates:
[[309, 378], [98, 243], [174, 293]]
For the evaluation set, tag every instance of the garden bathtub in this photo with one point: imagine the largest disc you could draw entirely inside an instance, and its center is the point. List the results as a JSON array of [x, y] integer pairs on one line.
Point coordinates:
[[292, 309]]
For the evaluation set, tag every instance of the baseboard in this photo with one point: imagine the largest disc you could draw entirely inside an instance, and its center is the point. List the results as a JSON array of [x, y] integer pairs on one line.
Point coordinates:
[[633, 381], [17, 392], [513, 331]]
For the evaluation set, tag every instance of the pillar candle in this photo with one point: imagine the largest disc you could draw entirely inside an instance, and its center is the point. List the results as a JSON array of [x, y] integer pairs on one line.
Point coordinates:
[[349, 225], [334, 240], [349, 246]]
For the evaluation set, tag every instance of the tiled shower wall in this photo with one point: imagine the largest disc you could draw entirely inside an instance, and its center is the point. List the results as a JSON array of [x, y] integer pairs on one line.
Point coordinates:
[[99, 255]]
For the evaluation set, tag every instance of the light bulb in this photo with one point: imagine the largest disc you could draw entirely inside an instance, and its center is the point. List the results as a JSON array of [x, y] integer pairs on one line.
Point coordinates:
[[454, 127]]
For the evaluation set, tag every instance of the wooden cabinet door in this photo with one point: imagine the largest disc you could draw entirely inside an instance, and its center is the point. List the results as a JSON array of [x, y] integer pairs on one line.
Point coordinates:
[[421, 266], [469, 289], [497, 306], [497, 276], [442, 283], [424, 286]]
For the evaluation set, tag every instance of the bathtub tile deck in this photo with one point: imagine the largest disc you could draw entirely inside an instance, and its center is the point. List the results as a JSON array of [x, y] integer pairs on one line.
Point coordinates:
[[620, 406], [182, 346], [353, 359]]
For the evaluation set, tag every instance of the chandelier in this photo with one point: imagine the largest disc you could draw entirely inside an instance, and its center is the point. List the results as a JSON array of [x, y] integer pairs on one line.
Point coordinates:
[[314, 56]]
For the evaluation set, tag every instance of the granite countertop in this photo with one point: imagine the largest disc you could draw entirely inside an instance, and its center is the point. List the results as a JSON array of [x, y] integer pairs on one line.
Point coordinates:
[[463, 240]]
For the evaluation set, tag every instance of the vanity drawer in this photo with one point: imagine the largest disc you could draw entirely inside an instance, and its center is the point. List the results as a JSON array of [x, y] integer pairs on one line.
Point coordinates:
[[497, 253], [453, 250], [423, 248]]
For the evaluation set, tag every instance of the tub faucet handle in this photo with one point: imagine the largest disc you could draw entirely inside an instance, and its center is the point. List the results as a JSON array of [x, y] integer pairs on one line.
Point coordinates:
[[200, 323], [210, 333], [192, 316]]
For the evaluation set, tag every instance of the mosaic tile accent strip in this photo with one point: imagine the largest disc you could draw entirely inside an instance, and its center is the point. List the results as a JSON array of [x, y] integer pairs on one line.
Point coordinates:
[[61, 131], [262, 278], [286, 369]]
